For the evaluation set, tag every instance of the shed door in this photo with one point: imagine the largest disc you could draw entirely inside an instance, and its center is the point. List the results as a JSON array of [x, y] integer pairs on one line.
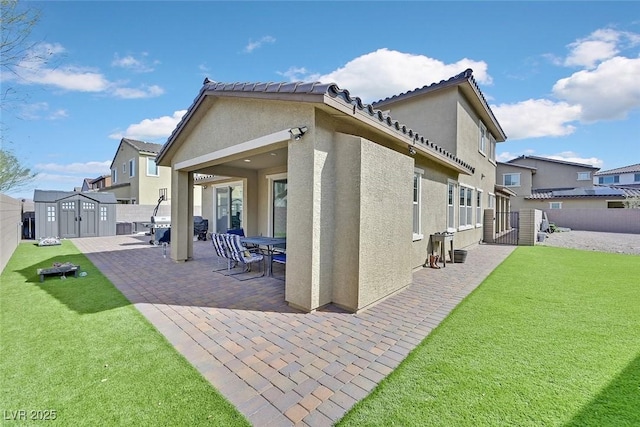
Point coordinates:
[[88, 219], [68, 219]]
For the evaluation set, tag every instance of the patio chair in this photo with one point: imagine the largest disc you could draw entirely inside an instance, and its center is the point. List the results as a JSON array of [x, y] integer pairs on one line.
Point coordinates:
[[221, 251], [279, 258], [242, 255]]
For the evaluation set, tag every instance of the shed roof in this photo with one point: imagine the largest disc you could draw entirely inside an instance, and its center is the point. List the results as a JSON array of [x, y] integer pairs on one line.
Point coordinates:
[[325, 93], [52, 196]]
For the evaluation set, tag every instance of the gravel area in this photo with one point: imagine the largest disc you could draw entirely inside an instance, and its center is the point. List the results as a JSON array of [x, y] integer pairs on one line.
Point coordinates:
[[595, 241]]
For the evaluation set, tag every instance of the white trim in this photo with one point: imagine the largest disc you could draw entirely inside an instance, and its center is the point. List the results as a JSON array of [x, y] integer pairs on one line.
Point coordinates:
[[482, 139], [451, 228], [588, 178], [512, 173], [418, 203], [479, 209], [152, 159], [553, 203], [263, 141], [270, 179]]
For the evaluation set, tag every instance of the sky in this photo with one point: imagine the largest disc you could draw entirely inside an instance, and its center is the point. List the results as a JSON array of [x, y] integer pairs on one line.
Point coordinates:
[[562, 78]]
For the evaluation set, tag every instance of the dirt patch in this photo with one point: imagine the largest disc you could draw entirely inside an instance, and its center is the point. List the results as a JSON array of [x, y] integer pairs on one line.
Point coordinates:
[[595, 241]]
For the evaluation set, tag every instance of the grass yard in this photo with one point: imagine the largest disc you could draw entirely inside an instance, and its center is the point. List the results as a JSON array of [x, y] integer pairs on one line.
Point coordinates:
[[551, 338], [76, 350]]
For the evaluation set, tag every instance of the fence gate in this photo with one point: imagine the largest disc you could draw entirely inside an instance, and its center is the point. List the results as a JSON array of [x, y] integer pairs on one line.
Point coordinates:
[[507, 228]]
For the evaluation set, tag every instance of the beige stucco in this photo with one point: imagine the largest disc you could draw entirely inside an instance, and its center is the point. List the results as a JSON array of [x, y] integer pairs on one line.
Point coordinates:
[[350, 238], [141, 188], [447, 118]]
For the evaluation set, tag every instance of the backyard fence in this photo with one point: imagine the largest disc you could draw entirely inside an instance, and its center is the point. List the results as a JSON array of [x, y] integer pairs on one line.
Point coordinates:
[[10, 227], [603, 220]]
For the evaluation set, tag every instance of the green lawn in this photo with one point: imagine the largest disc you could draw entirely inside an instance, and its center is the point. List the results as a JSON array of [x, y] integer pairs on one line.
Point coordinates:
[[76, 350], [551, 338]]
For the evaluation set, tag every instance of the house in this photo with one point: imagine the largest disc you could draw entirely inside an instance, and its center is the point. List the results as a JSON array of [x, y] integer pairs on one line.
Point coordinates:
[[69, 214], [544, 183], [356, 192], [95, 184], [135, 177], [624, 176], [566, 193]]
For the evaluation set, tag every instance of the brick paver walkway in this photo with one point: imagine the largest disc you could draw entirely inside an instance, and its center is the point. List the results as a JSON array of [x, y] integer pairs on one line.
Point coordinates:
[[279, 366]]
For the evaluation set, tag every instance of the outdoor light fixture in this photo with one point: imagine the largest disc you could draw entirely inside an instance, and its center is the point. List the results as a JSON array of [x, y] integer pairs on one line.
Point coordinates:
[[298, 132], [412, 150]]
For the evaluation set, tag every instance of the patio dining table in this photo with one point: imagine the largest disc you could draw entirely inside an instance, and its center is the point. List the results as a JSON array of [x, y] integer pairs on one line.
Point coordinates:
[[269, 244]]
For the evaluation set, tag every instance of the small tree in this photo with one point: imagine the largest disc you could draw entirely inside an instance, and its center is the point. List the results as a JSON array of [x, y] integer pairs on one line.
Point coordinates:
[[13, 175], [632, 202]]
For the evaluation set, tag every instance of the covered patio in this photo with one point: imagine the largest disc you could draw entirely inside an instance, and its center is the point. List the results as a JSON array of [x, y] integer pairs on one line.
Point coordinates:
[[345, 171], [270, 360]]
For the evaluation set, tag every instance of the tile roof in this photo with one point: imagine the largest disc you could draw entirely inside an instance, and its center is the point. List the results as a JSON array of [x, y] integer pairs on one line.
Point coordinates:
[[465, 77], [143, 147], [624, 169], [321, 90], [546, 159], [595, 191]]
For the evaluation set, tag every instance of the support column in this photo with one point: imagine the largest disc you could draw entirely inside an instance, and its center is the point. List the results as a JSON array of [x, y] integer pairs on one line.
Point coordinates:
[[181, 215]]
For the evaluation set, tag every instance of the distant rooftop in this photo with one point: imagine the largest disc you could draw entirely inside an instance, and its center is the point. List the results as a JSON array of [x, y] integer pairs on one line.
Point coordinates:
[[625, 169], [546, 159]]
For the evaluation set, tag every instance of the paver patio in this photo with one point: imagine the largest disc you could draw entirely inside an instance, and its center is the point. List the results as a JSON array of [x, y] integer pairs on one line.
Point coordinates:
[[277, 365]]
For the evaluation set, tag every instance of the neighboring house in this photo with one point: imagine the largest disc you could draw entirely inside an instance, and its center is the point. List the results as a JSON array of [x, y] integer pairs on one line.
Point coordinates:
[[135, 177], [356, 192], [624, 176], [543, 183], [95, 184]]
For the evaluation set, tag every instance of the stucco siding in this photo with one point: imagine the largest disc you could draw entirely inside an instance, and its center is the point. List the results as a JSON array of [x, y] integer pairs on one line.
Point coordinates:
[[230, 122], [556, 175], [431, 115]]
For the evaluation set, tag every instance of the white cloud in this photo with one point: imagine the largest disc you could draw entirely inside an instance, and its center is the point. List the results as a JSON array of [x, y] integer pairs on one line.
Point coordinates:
[[608, 92], [570, 156], [37, 69], [566, 156], [253, 45], [137, 93], [40, 110], [91, 169], [151, 129], [138, 65], [601, 45], [385, 72], [536, 118]]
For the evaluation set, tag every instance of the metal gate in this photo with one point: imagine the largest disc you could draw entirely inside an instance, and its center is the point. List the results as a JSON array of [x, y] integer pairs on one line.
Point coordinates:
[[507, 228]]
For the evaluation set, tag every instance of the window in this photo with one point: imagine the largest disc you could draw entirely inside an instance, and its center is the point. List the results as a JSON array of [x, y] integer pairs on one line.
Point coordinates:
[[465, 217], [636, 177], [417, 197], [132, 168], [511, 179], [612, 179], [555, 205], [124, 168], [491, 201], [451, 195], [478, 208], [278, 201], [152, 167], [584, 176], [615, 205], [51, 214], [482, 141], [114, 174], [492, 148], [103, 213]]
